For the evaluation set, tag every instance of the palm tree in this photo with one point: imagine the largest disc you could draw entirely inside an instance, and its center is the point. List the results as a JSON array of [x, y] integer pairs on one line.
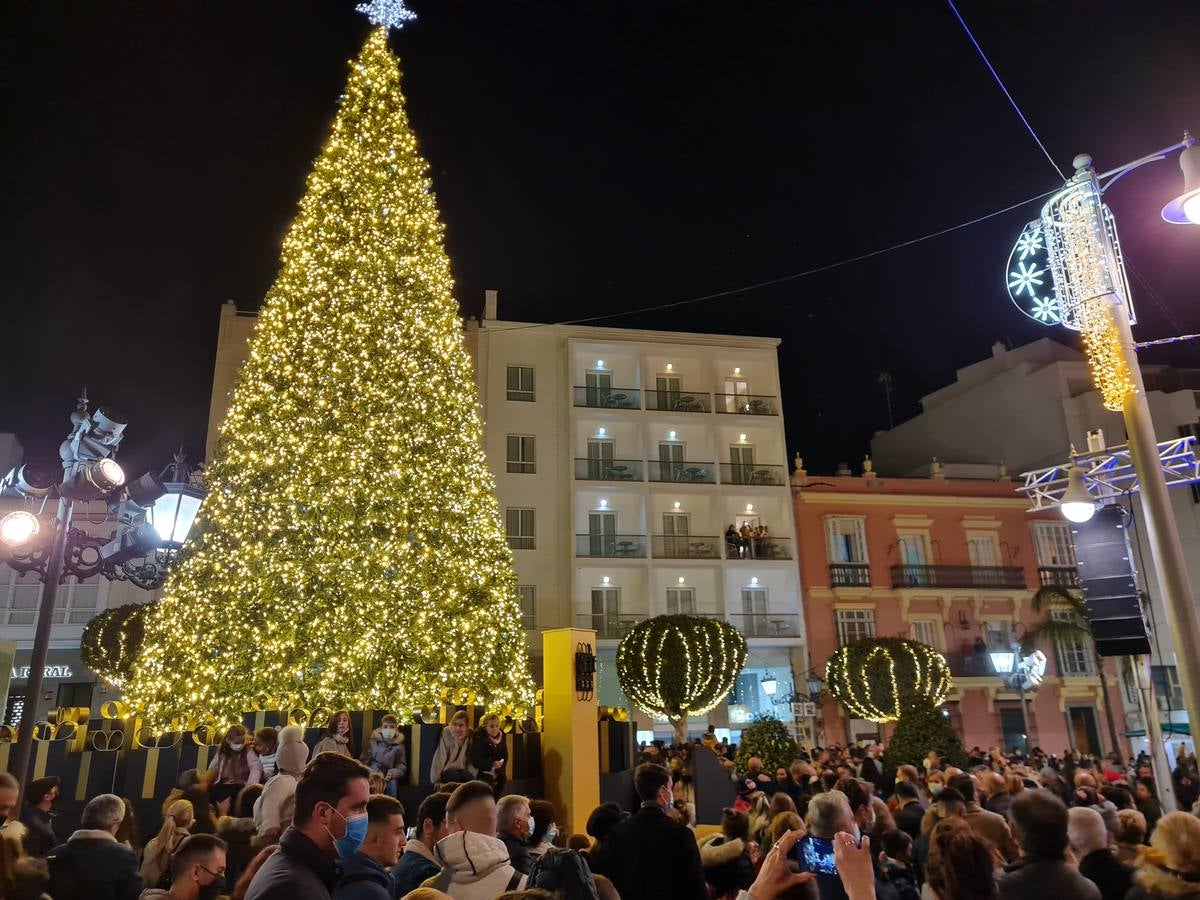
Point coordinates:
[[1070, 625]]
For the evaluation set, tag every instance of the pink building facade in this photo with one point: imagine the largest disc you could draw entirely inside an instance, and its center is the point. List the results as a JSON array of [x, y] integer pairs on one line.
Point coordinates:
[[952, 563]]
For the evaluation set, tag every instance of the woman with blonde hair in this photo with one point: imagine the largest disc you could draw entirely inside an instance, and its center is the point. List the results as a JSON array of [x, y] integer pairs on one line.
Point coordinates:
[[759, 814], [1129, 836], [780, 825], [160, 848], [1170, 868]]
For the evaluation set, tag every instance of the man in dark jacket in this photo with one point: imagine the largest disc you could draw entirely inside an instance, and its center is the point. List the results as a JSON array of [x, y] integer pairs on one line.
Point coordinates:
[[333, 791], [1097, 863], [91, 865], [514, 824], [36, 816], [1042, 872], [909, 811], [365, 873], [417, 864], [653, 857]]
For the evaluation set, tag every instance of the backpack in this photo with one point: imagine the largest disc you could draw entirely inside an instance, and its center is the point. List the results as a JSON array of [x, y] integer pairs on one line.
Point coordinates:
[[565, 871]]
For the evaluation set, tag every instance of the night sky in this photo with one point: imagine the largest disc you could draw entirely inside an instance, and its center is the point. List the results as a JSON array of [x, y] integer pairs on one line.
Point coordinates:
[[589, 157]]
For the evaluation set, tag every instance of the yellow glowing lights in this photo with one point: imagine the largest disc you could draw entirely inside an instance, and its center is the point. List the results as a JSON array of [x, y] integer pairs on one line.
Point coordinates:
[[19, 527], [350, 551], [1110, 369], [879, 678]]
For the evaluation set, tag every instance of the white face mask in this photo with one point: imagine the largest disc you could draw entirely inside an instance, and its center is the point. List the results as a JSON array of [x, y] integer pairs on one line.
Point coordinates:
[[387, 733], [236, 748]]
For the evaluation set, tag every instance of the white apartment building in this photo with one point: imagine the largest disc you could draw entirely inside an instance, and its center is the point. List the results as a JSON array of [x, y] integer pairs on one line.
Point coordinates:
[[621, 457], [1024, 408]]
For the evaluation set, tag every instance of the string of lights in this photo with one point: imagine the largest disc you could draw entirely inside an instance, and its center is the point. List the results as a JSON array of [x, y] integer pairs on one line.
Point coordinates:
[[1178, 339]]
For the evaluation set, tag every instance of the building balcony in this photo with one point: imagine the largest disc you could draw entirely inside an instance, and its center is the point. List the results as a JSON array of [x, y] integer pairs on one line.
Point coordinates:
[[765, 548], [679, 401], [754, 474], [608, 398], [849, 575], [971, 665], [1058, 576], [682, 472], [685, 546], [985, 577], [608, 470], [747, 404], [608, 626], [977, 664], [766, 625], [610, 546]]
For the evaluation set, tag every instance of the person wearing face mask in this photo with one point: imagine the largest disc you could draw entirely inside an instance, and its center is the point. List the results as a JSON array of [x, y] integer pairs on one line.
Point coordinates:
[[386, 754], [37, 817], [197, 871], [330, 821], [234, 766], [651, 855], [545, 829], [365, 874], [514, 825]]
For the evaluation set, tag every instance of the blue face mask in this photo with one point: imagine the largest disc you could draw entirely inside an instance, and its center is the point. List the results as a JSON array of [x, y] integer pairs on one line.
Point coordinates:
[[356, 831], [551, 834]]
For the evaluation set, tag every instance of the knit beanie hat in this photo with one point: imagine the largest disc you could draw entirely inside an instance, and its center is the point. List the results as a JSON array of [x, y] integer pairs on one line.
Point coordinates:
[[291, 753]]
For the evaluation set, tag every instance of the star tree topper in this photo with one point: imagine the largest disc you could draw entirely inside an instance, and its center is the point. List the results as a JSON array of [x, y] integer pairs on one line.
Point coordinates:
[[387, 13]]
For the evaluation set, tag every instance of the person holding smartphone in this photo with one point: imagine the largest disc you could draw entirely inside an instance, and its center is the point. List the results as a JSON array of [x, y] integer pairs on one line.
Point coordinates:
[[829, 815], [488, 752]]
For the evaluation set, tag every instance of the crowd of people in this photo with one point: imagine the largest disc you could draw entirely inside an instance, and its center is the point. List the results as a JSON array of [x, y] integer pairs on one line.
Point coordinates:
[[747, 542], [834, 824]]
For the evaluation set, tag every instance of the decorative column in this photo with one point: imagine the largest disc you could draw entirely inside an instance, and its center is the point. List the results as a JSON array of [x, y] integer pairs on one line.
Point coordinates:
[[570, 746]]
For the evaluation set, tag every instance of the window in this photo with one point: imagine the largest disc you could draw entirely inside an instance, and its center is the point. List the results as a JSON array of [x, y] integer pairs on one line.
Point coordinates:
[[606, 612], [981, 549], [681, 601], [78, 601], [74, 693], [518, 525], [1168, 693], [926, 631], [997, 634], [527, 594], [1074, 654], [521, 460], [911, 548], [854, 625], [520, 383], [1054, 544], [755, 609], [847, 540], [19, 595]]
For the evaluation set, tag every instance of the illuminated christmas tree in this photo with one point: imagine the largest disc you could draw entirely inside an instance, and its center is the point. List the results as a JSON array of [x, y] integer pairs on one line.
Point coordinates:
[[350, 551]]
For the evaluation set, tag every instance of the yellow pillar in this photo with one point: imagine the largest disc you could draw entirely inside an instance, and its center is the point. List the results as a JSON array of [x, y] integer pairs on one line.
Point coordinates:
[[570, 746]]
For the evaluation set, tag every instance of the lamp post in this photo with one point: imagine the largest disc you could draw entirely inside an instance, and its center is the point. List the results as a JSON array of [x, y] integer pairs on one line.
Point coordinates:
[[1093, 297], [1021, 673], [54, 549]]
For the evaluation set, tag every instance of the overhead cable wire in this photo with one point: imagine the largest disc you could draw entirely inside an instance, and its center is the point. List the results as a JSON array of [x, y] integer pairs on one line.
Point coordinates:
[[999, 81], [783, 278]]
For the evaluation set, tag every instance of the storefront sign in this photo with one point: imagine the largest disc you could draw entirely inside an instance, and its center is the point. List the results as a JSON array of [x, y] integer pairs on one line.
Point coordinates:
[[22, 672]]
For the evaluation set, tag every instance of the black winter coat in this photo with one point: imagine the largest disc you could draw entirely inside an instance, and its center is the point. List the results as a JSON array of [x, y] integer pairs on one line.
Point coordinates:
[[653, 857], [39, 838], [484, 754], [91, 865], [1108, 873]]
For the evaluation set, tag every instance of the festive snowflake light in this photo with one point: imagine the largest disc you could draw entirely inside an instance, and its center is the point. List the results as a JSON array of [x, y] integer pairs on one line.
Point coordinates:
[[387, 13], [1028, 265], [1045, 309], [1025, 278], [1030, 242]]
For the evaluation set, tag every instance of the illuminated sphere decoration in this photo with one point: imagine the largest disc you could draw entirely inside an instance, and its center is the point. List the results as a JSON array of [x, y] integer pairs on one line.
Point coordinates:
[[878, 679], [679, 666]]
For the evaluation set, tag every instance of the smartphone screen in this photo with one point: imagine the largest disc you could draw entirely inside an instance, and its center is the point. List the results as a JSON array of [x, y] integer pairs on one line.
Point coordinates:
[[815, 855]]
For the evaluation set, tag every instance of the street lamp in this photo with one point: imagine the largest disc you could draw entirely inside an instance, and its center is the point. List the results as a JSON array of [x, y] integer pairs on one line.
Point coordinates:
[[1077, 504], [769, 685], [1020, 673], [1077, 235], [52, 548]]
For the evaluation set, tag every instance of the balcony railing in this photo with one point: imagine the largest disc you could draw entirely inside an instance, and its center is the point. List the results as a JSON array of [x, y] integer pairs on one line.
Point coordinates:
[[610, 546], [608, 470], [978, 664], [1058, 576], [766, 624], [753, 473], [678, 401], [971, 665], [683, 472], [747, 405], [1002, 577], [762, 548], [608, 398], [685, 546], [609, 626], [849, 575]]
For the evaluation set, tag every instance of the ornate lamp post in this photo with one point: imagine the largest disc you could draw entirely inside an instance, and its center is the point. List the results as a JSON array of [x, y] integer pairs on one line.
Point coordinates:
[[153, 519]]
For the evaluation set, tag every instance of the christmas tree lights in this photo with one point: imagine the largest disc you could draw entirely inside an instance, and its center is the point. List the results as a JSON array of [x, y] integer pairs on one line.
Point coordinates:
[[350, 551]]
